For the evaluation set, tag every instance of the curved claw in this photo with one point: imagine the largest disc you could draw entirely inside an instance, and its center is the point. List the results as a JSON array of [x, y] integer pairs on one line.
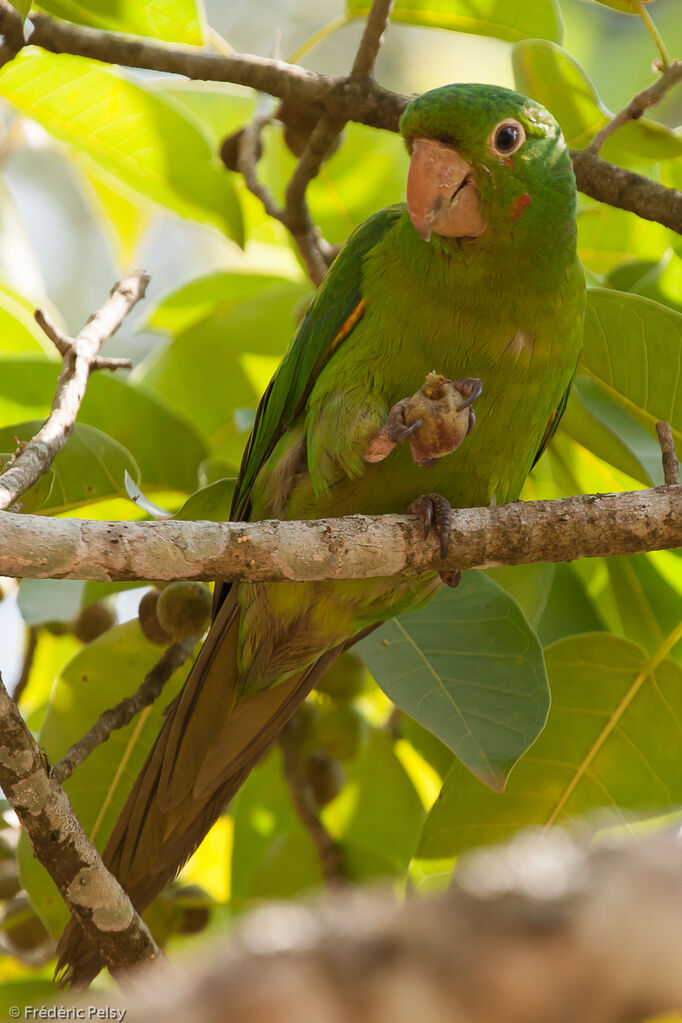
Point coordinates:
[[434, 510], [470, 386], [407, 431]]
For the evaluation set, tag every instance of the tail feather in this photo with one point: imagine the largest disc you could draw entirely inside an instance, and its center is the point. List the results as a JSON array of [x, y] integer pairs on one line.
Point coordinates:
[[205, 750]]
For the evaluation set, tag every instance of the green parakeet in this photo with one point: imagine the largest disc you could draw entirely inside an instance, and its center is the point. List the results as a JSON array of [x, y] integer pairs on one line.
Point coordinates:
[[474, 279]]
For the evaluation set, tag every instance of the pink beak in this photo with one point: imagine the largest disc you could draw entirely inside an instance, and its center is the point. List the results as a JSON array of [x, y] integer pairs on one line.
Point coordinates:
[[442, 197]]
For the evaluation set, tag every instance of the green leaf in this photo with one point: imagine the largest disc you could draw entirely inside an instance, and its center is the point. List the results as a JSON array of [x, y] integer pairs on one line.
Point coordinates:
[[624, 6], [90, 467], [175, 21], [211, 503], [529, 585], [22, 7], [469, 668], [378, 817], [649, 607], [612, 740], [549, 74], [216, 294], [242, 343], [265, 827], [594, 420], [18, 328], [164, 444], [522, 19], [569, 609], [98, 677], [609, 237], [658, 279], [633, 350], [49, 600], [129, 132]]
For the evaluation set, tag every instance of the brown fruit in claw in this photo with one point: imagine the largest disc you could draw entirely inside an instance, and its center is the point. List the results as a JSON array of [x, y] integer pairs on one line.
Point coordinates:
[[446, 419], [149, 622], [184, 609], [93, 621]]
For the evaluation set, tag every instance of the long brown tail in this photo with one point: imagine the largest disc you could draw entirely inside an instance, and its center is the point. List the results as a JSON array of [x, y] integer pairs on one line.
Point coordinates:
[[204, 751]]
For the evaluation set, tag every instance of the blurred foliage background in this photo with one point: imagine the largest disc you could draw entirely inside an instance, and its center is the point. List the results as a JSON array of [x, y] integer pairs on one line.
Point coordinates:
[[104, 171]]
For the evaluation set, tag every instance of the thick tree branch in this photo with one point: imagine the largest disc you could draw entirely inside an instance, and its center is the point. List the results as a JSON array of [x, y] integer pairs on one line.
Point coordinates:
[[626, 190], [343, 99], [372, 38], [80, 358], [355, 547], [124, 712], [543, 930], [95, 898]]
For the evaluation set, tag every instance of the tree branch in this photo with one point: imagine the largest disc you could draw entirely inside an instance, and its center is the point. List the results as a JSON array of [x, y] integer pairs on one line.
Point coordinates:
[[124, 712], [95, 898], [542, 930], [638, 104], [372, 38], [80, 358], [671, 466], [354, 547], [628, 191], [328, 851], [343, 99]]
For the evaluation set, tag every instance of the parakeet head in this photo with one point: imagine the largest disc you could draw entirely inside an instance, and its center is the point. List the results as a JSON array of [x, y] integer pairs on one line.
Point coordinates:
[[486, 162]]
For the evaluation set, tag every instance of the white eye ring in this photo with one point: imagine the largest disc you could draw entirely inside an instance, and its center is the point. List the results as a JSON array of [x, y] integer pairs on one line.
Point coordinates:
[[507, 137]]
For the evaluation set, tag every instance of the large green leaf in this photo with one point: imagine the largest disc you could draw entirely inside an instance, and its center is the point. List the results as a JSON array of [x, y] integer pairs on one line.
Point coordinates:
[[633, 350], [241, 341], [569, 609], [18, 329], [101, 675], [609, 237], [522, 19], [596, 421], [612, 740], [128, 131], [378, 817], [549, 74], [176, 21], [164, 444], [90, 467], [469, 668], [648, 605], [266, 827]]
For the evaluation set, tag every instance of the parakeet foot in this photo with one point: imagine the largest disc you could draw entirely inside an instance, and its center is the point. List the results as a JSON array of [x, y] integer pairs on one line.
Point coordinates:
[[394, 430], [434, 511]]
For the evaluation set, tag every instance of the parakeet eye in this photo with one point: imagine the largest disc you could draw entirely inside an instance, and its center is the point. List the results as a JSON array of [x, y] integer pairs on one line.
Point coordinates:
[[507, 137]]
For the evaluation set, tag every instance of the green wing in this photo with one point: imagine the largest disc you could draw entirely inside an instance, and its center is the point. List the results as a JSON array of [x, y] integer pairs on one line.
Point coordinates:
[[335, 309], [554, 421]]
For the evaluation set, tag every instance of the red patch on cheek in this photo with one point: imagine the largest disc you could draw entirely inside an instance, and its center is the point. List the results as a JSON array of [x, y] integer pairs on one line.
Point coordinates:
[[521, 203]]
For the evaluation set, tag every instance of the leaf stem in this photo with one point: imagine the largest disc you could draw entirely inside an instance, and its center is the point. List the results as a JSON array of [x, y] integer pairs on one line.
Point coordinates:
[[318, 37], [656, 35]]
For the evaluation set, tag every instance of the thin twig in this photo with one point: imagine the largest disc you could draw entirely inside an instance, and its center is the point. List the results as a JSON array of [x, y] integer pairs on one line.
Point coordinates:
[[638, 104], [30, 648], [329, 853], [372, 37], [79, 356], [62, 342], [671, 466], [62, 847], [249, 147], [124, 712]]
